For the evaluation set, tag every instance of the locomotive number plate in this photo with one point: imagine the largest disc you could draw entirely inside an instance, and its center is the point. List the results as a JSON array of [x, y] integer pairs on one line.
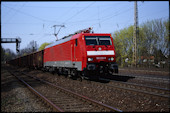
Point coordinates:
[[100, 57]]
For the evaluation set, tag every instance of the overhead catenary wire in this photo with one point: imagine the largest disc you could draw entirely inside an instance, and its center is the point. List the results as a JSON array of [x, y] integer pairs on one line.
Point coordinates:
[[111, 16], [82, 21], [75, 21], [62, 23], [7, 13], [38, 6], [15, 13], [101, 19], [28, 14], [78, 12], [69, 23], [89, 20]]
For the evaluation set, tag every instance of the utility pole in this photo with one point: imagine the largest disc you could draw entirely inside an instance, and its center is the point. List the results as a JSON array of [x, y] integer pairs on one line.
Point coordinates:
[[33, 47], [58, 30], [135, 33]]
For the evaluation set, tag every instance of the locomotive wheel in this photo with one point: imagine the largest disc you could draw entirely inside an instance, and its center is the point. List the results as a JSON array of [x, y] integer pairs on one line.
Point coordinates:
[[43, 70], [80, 77], [35, 68], [74, 73], [53, 72], [84, 73], [60, 71], [116, 71]]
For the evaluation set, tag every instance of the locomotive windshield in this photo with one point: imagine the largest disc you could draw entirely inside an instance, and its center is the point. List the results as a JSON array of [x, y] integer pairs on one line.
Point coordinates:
[[98, 40]]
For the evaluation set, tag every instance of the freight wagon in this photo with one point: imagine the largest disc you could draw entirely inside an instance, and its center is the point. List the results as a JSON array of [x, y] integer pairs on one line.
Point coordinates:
[[33, 60]]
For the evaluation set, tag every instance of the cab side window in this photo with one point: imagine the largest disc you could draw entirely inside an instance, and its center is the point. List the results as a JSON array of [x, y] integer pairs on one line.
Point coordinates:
[[76, 42]]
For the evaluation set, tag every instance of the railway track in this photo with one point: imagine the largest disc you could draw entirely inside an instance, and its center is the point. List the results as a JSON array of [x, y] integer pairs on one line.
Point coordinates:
[[151, 90], [147, 72], [147, 78], [156, 91], [60, 99], [160, 80]]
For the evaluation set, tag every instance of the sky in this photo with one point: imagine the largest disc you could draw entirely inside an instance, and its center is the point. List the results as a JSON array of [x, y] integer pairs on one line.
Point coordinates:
[[35, 20]]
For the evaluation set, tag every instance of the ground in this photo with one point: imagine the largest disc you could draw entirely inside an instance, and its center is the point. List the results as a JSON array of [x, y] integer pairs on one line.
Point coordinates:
[[15, 97]]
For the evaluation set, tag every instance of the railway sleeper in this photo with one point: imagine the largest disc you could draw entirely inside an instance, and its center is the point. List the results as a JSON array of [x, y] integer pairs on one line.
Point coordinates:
[[65, 99], [78, 110], [72, 105]]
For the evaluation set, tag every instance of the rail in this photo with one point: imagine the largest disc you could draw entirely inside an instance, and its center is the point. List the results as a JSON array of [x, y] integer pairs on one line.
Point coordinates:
[[66, 91], [140, 88]]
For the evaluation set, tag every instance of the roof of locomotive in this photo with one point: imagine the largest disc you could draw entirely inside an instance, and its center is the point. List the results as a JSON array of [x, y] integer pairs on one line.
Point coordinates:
[[75, 36]]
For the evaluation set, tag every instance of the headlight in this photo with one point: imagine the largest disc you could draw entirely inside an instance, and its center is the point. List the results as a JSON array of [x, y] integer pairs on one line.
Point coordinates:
[[111, 59], [90, 59]]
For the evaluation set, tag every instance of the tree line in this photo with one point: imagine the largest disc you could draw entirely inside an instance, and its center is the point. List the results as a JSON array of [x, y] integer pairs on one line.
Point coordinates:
[[152, 44], [8, 54]]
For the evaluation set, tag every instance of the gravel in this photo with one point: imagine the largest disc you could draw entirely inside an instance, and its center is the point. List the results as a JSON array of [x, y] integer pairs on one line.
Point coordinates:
[[15, 97], [97, 90], [121, 99], [144, 71]]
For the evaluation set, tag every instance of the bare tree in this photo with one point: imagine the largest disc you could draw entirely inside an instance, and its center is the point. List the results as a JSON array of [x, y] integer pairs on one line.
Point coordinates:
[[31, 47], [7, 54]]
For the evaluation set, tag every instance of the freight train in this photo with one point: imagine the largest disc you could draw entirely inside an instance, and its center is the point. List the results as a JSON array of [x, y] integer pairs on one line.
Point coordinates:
[[83, 54]]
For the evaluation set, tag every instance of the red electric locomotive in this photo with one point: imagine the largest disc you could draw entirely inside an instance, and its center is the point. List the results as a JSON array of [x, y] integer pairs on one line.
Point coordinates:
[[82, 53]]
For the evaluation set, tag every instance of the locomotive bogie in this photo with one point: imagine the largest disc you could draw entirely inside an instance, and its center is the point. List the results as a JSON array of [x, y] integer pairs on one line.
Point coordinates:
[[101, 68]]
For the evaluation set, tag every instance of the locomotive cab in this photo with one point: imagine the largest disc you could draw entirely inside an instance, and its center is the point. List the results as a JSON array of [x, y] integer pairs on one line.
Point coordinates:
[[101, 57]]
